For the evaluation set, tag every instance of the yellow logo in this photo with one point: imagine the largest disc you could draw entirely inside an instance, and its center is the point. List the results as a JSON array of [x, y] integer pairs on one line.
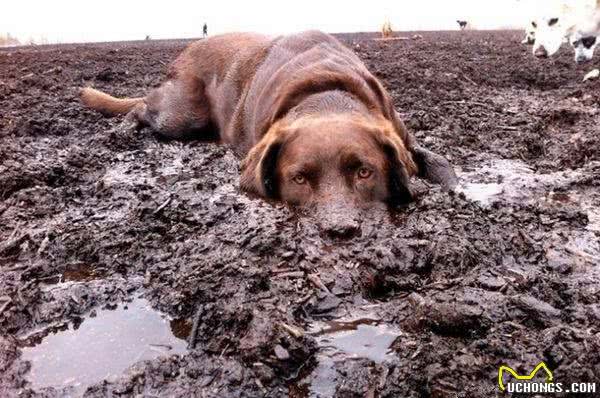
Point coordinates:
[[541, 365]]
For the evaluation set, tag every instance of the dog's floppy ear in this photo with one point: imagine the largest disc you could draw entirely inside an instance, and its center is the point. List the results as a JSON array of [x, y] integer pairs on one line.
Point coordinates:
[[430, 166], [416, 160], [400, 165], [259, 168], [398, 177]]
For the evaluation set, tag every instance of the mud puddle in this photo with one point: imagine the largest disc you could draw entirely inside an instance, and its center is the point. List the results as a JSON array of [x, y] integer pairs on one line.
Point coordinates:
[[512, 181], [341, 341], [102, 346]]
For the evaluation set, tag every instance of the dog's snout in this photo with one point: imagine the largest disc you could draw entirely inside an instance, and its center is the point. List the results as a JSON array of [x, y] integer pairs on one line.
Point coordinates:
[[581, 59], [541, 52], [341, 229], [339, 219]]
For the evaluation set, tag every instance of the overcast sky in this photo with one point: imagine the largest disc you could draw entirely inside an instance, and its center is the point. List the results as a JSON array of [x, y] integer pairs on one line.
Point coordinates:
[[107, 20]]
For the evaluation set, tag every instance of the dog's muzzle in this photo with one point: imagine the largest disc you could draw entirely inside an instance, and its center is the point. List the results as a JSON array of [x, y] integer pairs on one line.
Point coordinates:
[[339, 219], [582, 59]]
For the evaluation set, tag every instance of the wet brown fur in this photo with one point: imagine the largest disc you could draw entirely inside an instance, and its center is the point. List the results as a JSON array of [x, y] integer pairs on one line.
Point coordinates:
[[255, 90]]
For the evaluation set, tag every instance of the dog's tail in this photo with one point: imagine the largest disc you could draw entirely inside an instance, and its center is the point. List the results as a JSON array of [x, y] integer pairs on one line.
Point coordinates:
[[107, 104]]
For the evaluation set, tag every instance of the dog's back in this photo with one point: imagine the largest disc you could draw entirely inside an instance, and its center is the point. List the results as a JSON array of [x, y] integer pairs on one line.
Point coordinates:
[[315, 59], [241, 83]]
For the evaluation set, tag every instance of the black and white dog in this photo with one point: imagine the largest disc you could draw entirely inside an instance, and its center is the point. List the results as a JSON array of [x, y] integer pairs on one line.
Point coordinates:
[[584, 37], [576, 23], [530, 34]]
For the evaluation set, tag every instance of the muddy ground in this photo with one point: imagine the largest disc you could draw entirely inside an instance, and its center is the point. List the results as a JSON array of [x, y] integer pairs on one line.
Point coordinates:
[[505, 271]]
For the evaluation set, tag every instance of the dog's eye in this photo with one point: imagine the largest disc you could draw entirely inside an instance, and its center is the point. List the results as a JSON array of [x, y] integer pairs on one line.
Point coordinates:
[[553, 21], [364, 173], [588, 41], [299, 179], [533, 24]]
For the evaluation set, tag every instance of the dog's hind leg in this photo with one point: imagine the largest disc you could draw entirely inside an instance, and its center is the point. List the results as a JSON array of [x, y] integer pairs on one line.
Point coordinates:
[[177, 109]]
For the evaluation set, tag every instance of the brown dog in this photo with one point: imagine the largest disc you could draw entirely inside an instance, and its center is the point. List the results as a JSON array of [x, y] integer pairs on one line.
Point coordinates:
[[317, 129]]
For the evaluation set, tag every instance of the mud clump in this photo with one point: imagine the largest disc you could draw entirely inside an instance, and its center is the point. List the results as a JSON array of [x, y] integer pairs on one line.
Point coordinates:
[[505, 271]]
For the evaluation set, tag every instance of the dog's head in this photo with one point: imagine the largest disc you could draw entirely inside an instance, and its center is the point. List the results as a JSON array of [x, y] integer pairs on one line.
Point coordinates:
[[555, 23], [583, 45], [530, 33], [550, 34], [338, 165], [584, 38]]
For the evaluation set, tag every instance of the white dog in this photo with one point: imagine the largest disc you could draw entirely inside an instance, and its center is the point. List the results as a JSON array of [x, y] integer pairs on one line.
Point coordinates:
[[556, 22], [530, 33], [585, 37]]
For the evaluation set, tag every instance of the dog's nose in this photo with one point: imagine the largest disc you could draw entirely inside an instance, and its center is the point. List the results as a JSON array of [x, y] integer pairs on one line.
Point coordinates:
[[541, 52], [346, 229], [581, 60], [338, 216]]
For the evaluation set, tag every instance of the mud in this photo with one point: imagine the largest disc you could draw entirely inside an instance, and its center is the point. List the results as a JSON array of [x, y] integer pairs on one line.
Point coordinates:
[[505, 271]]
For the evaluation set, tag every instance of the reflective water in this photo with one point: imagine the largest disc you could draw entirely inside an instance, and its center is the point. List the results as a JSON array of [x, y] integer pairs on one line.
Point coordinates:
[[512, 181], [481, 192], [363, 338], [105, 344], [343, 341]]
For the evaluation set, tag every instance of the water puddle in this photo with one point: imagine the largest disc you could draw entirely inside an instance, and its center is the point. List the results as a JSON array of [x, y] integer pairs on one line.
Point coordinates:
[[482, 193], [101, 346], [343, 341], [498, 179], [512, 181], [363, 338]]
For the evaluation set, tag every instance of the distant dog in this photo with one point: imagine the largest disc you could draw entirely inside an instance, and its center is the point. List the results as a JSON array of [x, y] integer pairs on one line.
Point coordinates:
[[386, 30], [317, 129], [462, 24]]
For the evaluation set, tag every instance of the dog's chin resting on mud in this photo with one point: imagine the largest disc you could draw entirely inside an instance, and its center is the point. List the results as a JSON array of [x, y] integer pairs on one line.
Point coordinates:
[[315, 127]]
